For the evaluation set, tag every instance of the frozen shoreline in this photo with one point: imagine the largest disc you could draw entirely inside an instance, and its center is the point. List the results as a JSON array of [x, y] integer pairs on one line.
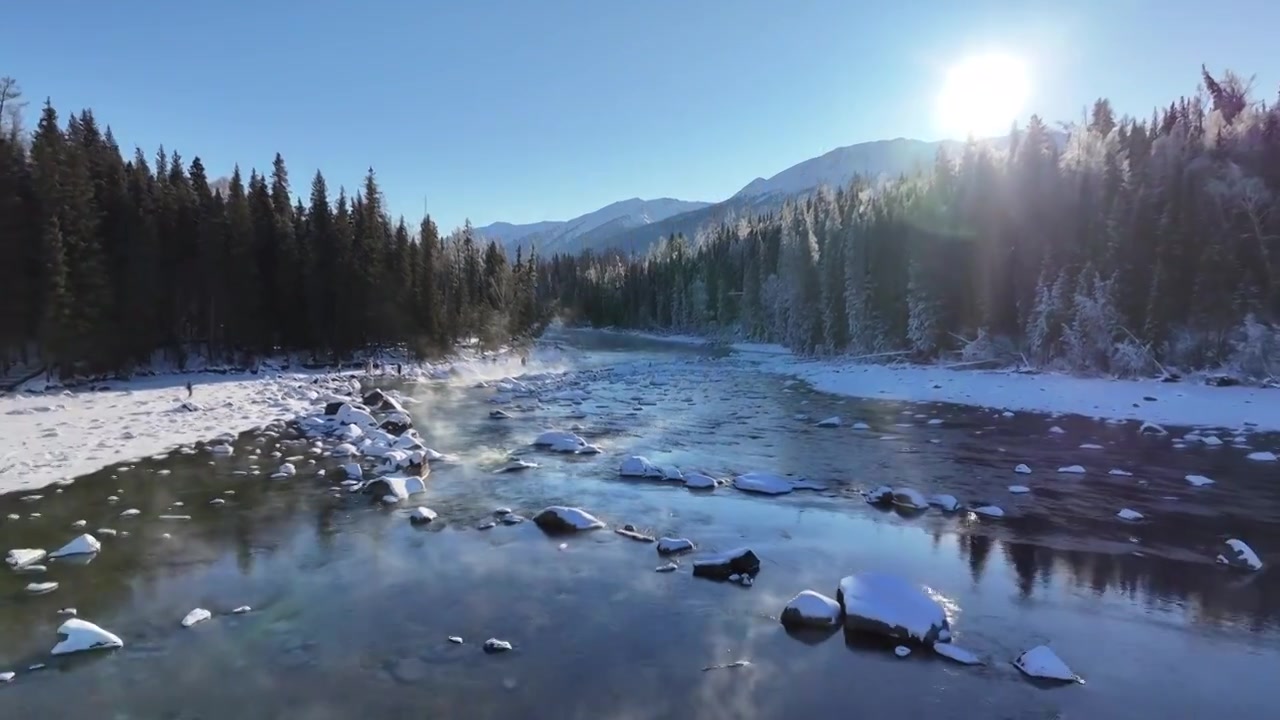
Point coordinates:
[[1183, 403], [60, 435]]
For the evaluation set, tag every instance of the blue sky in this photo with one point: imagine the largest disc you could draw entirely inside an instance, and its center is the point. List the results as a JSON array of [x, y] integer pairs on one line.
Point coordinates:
[[545, 109]]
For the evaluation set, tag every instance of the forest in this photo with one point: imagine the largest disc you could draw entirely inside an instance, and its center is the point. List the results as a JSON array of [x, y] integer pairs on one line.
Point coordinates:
[[1115, 245], [109, 263]]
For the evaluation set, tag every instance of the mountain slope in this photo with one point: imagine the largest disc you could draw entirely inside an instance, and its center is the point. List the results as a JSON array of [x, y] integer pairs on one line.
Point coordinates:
[[564, 235]]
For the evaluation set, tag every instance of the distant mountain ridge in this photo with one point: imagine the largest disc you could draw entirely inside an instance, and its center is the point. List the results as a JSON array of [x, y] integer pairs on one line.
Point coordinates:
[[636, 225]]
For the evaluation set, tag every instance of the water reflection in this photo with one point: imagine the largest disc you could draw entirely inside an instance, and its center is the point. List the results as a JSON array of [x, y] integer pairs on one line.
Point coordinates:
[[352, 605]]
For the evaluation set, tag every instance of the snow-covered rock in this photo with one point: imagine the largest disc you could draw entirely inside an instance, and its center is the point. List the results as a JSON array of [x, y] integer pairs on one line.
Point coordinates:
[[667, 567], [637, 466], [945, 502], [1199, 480], [811, 609], [1072, 469], [1261, 456], [552, 438], [286, 470], [1130, 515], [348, 414], [991, 511], [720, 566], [763, 483], [831, 422], [353, 471], [888, 605], [516, 465], [882, 495], [902, 651], [698, 481], [671, 546], [956, 653], [499, 415], [78, 635], [1238, 554], [1022, 469], [494, 645], [909, 499], [40, 588], [1120, 473], [1019, 489], [396, 485], [1041, 662], [85, 544], [1057, 430], [861, 426], [671, 472], [197, 615], [1211, 441], [562, 519], [22, 557], [422, 515], [1150, 428]]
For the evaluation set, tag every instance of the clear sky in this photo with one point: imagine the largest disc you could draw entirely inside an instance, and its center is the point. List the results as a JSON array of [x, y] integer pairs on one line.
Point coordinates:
[[524, 110]]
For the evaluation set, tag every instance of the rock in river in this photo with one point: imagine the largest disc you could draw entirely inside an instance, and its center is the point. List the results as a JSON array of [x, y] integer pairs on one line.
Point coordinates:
[[494, 645], [561, 519], [763, 483], [21, 557], [86, 544], [811, 609], [637, 466], [422, 515], [719, 566], [80, 635], [1041, 662], [888, 605], [1239, 555], [198, 615], [671, 546], [956, 653]]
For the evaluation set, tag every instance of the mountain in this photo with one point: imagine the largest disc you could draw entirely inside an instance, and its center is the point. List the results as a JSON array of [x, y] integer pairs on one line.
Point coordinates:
[[877, 160], [571, 236]]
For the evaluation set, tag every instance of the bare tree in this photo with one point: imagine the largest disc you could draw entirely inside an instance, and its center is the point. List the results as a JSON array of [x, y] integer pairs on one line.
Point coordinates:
[[11, 104]]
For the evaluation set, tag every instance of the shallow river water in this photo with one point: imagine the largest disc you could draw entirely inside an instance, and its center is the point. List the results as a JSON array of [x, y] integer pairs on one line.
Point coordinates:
[[353, 606]]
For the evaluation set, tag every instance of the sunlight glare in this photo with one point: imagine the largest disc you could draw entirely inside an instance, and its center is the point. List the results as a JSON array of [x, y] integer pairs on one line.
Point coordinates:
[[983, 95]]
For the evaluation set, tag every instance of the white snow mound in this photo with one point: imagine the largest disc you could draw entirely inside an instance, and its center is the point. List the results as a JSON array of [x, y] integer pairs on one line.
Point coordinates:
[[86, 544], [1041, 662], [82, 635]]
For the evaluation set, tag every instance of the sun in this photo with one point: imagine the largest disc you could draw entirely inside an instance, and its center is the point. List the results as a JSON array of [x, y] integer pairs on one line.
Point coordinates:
[[983, 95]]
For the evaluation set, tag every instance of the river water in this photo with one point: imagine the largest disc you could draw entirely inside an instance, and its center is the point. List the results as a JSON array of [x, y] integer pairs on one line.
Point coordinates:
[[352, 606]]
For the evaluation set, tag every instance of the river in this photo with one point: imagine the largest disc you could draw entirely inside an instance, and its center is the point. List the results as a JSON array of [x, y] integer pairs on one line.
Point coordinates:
[[352, 606]]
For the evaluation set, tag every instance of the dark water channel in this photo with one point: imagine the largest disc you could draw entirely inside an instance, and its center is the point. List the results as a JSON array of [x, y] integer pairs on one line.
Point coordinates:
[[352, 606]]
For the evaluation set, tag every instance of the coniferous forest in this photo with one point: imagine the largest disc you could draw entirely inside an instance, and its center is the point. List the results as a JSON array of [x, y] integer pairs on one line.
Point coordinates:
[[1116, 245], [109, 263]]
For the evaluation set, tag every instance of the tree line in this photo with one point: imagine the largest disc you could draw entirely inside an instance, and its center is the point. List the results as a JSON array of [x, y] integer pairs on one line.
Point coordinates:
[[109, 263], [1116, 245]]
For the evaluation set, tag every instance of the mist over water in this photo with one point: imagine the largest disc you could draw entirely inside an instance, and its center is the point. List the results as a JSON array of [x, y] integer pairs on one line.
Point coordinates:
[[352, 606]]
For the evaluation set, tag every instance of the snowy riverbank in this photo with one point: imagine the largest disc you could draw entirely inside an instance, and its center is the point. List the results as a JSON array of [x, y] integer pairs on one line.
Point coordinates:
[[59, 435], [1184, 403]]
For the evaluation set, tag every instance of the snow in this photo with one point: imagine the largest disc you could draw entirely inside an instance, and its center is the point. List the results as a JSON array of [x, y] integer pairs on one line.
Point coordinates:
[[1120, 473], [1241, 556], [1261, 456], [1130, 515], [810, 608], [82, 635], [1090, 446], [989, 511], [1199, 480], [1150, 428], [137, 419], [831, 422], [763, 483], [84, 545], [1041, 662], [956, 653], [559, 518], [1019, 489], [1022, 469], [198, 615], [1072, 470], [889, 605]]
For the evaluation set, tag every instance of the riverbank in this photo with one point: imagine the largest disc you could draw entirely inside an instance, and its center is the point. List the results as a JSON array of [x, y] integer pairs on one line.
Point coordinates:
[[56, 436], [1184, 403]]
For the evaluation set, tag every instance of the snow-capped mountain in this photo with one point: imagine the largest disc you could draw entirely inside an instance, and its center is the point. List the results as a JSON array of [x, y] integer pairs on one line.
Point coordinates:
[[582, 232], [872, 160]]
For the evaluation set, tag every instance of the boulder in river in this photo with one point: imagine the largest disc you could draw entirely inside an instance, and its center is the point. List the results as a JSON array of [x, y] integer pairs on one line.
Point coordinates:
[[494, 645], [78, 635], [197, 615], [85, 544], [811, 609], [909, 499], [831, 422], [1072, 470], [396, 485], [422, 515], [992, 511], [671, 546], [1022, 469], [882, 495], [382, 402], [888, 605], [21, 557], [1130, 515], [638, 466], [395, 425], [1041, 662], [1261, 456], [698, 481], [720, 566], [562, 519], [763, 483], [945, 502], [1239, 555]]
